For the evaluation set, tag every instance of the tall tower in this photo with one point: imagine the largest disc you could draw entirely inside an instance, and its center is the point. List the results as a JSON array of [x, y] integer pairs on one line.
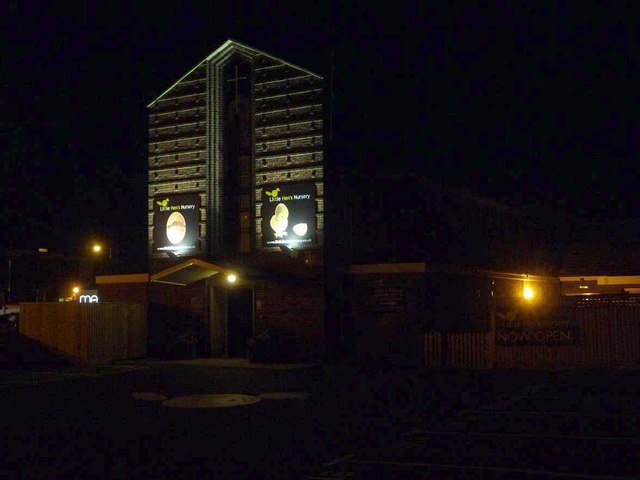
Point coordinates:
[[236, 177], [239, 124]]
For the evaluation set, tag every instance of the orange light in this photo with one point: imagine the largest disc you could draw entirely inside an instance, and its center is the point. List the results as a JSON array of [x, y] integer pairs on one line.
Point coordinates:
[[97, 248], [528, 293]]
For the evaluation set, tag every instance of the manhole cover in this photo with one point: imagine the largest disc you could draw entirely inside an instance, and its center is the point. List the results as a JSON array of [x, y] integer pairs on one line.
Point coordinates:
[[285, 395], [153, 397], [211, 400]]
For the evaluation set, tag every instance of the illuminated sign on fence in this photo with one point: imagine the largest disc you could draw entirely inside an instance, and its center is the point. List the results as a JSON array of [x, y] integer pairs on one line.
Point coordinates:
[[89, 296], [88, 299], [289, 214], [176, 223]]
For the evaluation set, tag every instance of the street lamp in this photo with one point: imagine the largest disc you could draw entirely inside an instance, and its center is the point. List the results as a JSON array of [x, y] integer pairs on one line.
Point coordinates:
[[97, 249]]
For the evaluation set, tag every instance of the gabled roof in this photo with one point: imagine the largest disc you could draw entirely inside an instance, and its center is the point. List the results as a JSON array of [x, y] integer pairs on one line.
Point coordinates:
[[224, 49]]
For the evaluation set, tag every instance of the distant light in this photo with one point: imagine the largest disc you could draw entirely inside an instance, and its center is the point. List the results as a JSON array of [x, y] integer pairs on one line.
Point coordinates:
[[97, 248], [43, 250], [76, 290], [528, 293], [231, 278]]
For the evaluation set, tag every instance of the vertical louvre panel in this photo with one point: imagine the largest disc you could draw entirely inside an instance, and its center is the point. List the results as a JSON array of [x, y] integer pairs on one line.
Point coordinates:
[[609, 336], [87, 333]]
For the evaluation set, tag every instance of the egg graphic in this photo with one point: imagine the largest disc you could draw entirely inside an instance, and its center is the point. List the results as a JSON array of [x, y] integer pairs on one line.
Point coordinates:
[[300, 229], [176, 228]]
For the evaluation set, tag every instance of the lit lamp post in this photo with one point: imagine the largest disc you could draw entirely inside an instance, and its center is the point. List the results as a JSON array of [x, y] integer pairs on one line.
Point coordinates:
[[75, 290], [528, 293], [97, 249]]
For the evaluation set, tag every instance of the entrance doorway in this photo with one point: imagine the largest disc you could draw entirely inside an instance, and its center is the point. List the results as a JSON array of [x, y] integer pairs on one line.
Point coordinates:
[[240, 320]]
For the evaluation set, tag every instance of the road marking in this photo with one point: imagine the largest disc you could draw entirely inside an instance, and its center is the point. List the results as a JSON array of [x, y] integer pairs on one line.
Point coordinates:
[[150, 396], [339, 460], [486, 468], [211, 400], [560, 412], [586, 396], [526, 435], [284, 395], [51, 376]]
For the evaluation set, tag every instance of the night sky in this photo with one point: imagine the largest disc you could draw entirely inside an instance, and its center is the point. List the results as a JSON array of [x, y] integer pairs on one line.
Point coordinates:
[[535, 105]]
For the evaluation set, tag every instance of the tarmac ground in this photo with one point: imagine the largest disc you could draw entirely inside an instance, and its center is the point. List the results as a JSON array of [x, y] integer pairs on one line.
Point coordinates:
[[228, 419]]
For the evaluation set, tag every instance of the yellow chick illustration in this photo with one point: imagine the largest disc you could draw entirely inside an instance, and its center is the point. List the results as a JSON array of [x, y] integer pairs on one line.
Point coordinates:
[[280, 220], [273, 193]]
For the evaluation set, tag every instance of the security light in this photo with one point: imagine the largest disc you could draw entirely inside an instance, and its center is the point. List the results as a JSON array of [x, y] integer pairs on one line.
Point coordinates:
[[528, 293]]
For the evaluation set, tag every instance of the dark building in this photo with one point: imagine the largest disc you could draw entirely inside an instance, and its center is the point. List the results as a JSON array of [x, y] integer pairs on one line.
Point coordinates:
[[236, 180], [416, 256], [406, 218], [239, 246]]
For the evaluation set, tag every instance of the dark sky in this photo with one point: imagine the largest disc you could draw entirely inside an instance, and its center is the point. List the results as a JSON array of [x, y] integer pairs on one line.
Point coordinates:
[[533, 105]]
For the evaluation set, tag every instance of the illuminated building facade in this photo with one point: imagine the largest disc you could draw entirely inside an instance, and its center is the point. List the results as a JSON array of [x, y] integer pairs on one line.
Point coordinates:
[[236, 179]]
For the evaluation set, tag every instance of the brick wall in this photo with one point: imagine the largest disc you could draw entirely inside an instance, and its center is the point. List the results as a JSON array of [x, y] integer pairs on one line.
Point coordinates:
[[387, 312], [177, 144], [298, 307], [124, 292]]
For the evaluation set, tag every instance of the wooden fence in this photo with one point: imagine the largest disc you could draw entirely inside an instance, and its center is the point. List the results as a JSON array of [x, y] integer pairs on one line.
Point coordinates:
[[88, 333], [607, 335]]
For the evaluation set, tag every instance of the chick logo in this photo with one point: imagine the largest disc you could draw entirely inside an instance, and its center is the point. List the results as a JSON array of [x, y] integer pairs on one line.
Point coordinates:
[[273, 193], [163, 203], [280, 221]]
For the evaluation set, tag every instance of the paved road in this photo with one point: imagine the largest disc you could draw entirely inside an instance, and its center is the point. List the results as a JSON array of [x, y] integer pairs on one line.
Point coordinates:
[[70, 423], [63, 422], [564, 425]]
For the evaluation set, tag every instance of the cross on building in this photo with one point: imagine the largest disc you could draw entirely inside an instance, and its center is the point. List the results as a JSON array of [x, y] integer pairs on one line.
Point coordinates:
[[236, 79]]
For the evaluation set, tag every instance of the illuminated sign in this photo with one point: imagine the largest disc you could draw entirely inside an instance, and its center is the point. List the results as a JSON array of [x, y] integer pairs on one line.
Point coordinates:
[[176, 223], [88, 299], [89, 296], [548, 336], [289, 214]]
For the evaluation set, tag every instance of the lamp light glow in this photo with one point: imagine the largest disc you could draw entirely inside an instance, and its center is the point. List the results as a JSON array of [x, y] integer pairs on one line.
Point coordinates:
[[528, 293], [97, 248], [232, 278]]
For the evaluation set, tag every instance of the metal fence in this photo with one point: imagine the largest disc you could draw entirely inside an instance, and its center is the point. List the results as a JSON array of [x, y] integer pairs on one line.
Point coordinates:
[[88, 333], [603, 331]]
